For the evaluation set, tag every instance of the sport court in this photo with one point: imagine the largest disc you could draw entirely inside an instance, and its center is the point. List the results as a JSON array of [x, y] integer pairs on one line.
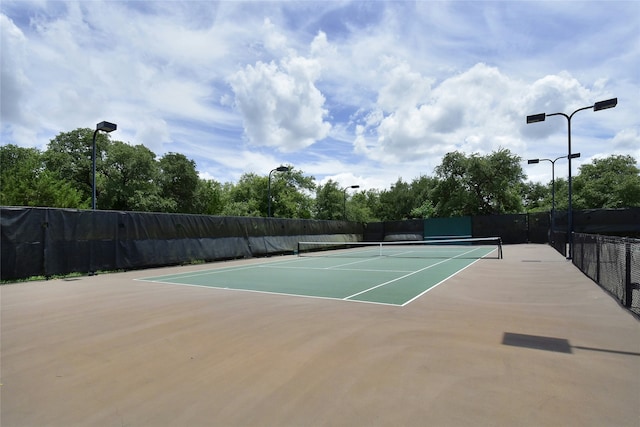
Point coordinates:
[[527, 340], [383, 272]]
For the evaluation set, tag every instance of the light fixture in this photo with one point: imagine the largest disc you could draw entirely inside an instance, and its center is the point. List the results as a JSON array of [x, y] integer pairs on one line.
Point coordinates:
[[535, 118], [104, 127], [278, 169], [344, 209]]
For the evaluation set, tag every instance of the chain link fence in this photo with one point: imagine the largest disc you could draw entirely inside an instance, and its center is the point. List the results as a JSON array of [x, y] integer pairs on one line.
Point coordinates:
[[613, 263]]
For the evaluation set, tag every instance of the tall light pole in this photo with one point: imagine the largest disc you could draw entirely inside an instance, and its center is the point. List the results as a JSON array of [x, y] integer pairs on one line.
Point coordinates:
[[344, 209], [535, 118], [278, 169], [105, 127], [553, 182]]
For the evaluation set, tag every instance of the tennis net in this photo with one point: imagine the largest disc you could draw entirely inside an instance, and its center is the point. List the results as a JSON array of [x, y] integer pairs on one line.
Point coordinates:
[[476, 247]]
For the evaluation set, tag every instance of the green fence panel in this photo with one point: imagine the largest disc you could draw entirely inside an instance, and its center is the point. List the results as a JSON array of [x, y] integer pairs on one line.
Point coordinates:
[[447, 228]]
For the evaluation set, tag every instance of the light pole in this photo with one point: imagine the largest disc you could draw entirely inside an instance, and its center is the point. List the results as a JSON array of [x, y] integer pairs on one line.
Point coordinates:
[[553, 182], [105, 127], [344, 209], [535, 118], [278, 169]]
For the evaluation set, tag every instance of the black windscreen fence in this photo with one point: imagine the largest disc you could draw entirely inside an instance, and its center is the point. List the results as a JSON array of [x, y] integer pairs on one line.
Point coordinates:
[[516, 228], [411, 229], [539, 227], [610, 222], [613, 263], [47, 242], [373, 232], [511, 228], [558, 240]]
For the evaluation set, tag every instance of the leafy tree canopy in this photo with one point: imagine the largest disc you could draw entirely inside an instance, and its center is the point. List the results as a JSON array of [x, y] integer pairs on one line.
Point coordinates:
[[130, 177], [612, 182], [479, 185]]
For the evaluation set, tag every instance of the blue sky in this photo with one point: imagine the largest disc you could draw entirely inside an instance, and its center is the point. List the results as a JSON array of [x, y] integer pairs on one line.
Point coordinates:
[[361, 92]]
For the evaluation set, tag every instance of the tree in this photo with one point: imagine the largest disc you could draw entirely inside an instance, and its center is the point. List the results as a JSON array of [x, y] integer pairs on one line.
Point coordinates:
[[479, 185], [24, 181], [247, 197], [536, 197], [370, 204], [612, 182], [360, 207], [503, 177], [129, 180], [19, 169], [291, 195], [425, 210], [208, 197], [422, 189], [69, 158], [451, 195], [329, 201], [562, 194], [397, 202], [128, 177], [178, 182]]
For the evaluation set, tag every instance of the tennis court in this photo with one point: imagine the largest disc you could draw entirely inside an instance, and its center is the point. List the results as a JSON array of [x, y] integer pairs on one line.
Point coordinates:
[[527, 340], [377, 272]]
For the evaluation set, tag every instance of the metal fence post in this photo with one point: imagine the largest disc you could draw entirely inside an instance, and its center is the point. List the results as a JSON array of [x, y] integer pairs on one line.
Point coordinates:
[[627, 277], [598, 246]]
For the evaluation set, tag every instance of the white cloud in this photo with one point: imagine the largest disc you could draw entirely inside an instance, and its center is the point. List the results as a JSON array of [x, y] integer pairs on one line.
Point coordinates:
[[153, 133], [364, 181], [404, 88], [280, 105], [14, 79], [468, 112], [370, 91]]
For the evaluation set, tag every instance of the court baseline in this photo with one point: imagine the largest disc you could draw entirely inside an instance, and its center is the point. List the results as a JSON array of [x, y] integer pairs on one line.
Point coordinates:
[[389, 285]]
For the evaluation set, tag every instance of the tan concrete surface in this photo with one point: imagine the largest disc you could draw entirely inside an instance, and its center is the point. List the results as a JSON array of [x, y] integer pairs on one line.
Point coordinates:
[[110, 351]]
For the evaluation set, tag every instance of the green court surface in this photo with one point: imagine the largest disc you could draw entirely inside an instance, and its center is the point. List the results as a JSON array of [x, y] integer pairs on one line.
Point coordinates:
[[390, 280]]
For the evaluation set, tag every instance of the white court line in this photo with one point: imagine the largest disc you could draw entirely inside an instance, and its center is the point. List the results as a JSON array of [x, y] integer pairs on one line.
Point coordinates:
[[194, 274], [439, 283], [271, 264], [215, 270], [407, 275], [338, 267], [276, 267], [354, 262], [271, 293]]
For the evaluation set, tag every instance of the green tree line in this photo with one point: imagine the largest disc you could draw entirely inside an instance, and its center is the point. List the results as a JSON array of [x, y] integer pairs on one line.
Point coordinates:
[[131, 177]]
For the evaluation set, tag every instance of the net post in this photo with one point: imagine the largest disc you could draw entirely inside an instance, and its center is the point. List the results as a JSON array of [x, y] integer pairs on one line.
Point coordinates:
[[499, 247]]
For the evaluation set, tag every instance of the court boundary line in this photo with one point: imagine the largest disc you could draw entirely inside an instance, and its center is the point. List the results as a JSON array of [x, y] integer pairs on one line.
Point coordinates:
[[350, 298], [215, 270], [396, 279], [272, 293], [416, 272], [338, 269], [439, 283]]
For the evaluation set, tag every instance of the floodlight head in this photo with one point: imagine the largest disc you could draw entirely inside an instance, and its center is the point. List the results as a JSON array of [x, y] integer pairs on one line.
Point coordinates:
[[355, 186], [283, 168], [535, 118], [533, 161], [574, 156], [106, 127], [603, 105]]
